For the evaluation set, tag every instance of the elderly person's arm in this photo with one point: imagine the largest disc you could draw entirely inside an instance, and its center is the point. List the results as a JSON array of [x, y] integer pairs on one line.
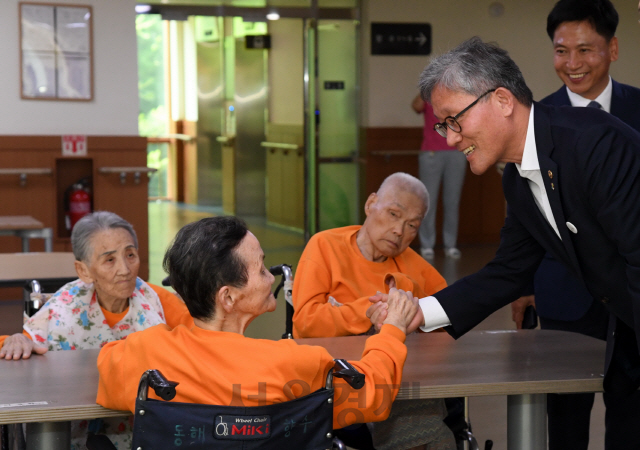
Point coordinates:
[[19, 346], [315, 315], [428, 283]]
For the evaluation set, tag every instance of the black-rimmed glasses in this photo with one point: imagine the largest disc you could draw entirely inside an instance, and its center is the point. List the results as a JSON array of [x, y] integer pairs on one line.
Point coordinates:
[[452, 121]]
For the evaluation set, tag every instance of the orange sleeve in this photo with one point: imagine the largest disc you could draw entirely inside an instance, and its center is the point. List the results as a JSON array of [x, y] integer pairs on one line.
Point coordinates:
[[314, 316], [381, 363], [175, 311], [2, 339], [113, 390], [406, 284]]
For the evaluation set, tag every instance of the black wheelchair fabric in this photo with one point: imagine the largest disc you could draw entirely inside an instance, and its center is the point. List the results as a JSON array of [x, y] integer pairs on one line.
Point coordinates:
[[303, 423]]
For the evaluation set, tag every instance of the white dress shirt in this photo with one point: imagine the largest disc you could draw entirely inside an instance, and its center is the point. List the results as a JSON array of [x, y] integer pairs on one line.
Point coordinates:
[[604, 98]]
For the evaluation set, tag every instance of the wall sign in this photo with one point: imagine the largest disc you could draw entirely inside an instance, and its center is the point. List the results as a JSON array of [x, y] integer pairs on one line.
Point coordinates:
[[56, 51], [74, 145], [400, 39], [331, 85]]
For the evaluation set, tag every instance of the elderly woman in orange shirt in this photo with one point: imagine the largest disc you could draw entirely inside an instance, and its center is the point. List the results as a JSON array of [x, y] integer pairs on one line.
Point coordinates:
[[217, 267]]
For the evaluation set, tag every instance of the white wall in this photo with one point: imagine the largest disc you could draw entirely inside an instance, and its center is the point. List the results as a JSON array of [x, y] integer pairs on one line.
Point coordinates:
[[389, 82], [114, 109]]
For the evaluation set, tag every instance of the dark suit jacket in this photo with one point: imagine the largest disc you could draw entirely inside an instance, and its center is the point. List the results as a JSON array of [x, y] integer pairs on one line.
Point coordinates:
[[560, 295], [590, 164]]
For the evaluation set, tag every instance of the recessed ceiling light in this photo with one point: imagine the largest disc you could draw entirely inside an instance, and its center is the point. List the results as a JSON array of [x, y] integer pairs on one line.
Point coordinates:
[[141, 9]]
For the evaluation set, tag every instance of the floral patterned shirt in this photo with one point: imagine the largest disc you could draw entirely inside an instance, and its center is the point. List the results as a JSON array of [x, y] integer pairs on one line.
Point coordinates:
[[73, 319]]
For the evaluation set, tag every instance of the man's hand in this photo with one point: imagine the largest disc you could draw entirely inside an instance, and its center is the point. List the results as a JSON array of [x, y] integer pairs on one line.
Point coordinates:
[[18, 346], [401, 309], [518, 307]]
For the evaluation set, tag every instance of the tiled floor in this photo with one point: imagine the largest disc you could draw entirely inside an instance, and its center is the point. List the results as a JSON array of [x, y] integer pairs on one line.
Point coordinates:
[[488, 414]]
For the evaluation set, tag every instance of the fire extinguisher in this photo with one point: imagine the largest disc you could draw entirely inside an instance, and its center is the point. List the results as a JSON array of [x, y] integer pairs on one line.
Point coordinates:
[[78, 204]]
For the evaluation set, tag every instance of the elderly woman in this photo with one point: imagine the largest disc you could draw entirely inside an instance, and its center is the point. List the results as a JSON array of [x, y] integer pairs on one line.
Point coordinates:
[[217, 266], [107, 303]]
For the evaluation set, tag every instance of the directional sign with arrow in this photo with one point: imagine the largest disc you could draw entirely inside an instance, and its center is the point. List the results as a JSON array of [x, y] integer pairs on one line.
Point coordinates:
[[400, 38]]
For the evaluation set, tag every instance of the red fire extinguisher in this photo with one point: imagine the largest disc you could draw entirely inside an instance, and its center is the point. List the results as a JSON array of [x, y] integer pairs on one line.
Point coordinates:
[[79, 204]]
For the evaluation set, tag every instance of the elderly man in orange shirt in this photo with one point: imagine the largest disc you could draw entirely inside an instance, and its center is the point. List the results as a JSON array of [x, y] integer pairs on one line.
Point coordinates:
[[341, 268]]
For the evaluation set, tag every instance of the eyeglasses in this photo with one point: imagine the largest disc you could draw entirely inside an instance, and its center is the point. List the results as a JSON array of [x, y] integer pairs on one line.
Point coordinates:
[[452, 121]]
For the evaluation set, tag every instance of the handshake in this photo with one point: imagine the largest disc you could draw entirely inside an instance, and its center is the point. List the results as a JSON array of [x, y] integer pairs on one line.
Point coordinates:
[[397, 308]]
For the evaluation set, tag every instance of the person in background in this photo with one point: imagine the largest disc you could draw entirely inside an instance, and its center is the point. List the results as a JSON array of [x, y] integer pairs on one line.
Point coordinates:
[[341, 268], [584, 46], [107, 303], [439, 164], [217, 266]]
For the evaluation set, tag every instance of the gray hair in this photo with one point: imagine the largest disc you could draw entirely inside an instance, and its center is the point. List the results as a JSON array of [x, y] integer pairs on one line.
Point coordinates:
[[475, 67], [89, 225], [408, 183]]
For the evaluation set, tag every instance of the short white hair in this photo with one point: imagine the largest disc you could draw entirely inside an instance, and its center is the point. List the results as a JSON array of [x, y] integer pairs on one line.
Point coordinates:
[[408, 183]]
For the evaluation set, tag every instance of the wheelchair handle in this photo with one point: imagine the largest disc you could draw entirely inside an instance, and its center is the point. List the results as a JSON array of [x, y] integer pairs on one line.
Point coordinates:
[[347, 372], [282, 269], [163, 388]]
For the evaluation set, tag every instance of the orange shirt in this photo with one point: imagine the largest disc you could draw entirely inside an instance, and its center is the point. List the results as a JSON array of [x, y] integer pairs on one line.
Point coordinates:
[[223, 368], [332, 265]]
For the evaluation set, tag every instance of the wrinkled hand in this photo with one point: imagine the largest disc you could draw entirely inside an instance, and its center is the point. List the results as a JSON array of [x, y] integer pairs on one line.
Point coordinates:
[[518, 307], [377, 312], [18, 346], [401, 309]]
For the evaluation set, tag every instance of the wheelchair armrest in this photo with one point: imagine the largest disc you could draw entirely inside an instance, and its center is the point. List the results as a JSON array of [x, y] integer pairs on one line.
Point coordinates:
[[163, 388], [347, 372]]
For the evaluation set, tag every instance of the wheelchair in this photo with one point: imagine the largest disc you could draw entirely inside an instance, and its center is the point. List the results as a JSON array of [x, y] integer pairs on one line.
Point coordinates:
[[302, 423]]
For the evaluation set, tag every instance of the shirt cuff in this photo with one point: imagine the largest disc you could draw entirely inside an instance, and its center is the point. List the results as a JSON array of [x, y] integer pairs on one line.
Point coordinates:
[[434, 315]]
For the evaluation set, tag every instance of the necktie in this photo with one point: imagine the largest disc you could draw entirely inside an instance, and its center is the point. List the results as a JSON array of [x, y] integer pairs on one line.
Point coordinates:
[[594, 104]]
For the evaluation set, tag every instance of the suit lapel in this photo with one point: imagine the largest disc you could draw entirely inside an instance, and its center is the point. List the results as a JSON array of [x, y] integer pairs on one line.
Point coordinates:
[[541, 225], [553, 183], [619, 107]]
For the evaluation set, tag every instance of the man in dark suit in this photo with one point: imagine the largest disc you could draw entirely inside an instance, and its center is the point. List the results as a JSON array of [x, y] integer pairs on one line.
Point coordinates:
[[572, 184], [584, 43]]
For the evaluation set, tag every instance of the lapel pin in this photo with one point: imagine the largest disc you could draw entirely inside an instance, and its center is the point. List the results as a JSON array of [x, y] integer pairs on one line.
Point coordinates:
[[553, 187], [550, 175], [572, 228]]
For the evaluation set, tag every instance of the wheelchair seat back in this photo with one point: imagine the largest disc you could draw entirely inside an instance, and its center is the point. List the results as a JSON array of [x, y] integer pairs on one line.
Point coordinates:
[[303, 423]]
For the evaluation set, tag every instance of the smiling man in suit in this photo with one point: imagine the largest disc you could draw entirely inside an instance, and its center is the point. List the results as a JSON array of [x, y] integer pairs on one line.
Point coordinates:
[[584, 44], [572, 184]]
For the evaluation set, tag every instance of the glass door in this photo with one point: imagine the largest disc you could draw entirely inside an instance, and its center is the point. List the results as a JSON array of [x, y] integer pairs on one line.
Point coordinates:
[[232, 112], [332, 124]]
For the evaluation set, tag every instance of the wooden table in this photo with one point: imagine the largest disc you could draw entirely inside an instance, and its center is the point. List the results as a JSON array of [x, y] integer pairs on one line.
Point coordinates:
[[26, 227], [524, 365], [18, 268]]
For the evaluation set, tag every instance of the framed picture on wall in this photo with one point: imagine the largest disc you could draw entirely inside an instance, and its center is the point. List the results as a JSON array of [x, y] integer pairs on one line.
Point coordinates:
[[56, 51]]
